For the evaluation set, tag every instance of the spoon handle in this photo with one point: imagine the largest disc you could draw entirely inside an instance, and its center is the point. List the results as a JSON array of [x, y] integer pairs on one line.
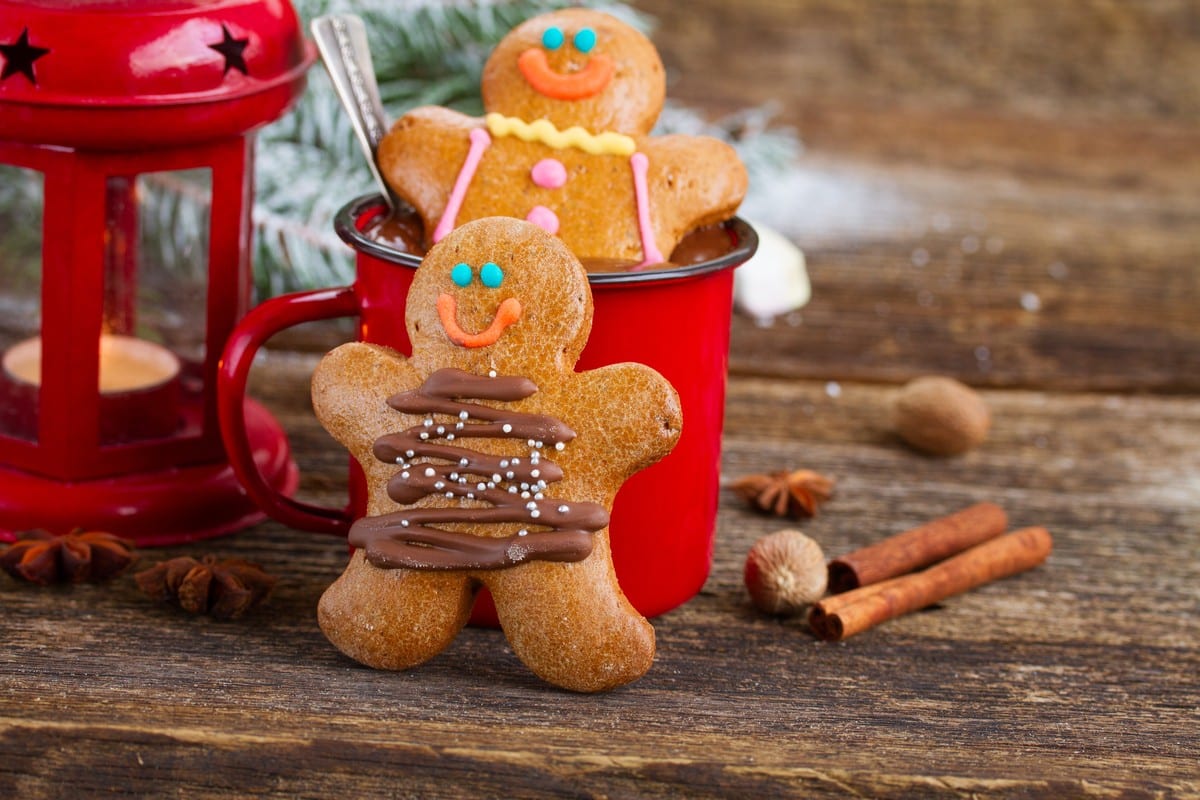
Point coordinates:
[[342, 42]]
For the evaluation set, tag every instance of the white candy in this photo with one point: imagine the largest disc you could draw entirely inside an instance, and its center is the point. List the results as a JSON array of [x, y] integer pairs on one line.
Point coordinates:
[[774, 281]]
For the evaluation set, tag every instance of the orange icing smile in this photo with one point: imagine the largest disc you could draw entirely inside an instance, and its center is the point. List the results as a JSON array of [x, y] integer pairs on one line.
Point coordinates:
[[508, 313], [587, 82]]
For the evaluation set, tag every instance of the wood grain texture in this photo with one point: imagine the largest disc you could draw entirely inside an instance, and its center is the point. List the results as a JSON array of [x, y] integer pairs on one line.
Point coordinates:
[[1076, 679], [1088, 59], [1002, 192]]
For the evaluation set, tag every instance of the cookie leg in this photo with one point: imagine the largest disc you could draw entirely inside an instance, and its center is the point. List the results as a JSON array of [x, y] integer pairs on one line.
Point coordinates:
[[393, 619], [571, 624]]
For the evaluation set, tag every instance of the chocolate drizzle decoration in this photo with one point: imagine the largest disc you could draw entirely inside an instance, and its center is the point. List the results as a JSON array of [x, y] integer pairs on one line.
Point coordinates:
[[433, 465]]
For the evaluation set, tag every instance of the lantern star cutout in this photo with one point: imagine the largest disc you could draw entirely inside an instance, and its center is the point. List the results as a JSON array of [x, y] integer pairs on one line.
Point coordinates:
[[232, 49], [19, 57]]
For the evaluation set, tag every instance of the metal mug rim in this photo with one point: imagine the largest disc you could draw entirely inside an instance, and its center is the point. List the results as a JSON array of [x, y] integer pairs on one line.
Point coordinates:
[[345, 224]]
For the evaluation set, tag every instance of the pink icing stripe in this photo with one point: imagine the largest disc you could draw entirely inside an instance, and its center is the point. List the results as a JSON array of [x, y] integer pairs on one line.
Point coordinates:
[[480, 140], [650, 252]]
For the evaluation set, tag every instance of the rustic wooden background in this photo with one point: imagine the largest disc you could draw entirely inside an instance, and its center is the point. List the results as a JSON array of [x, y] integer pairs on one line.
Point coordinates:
[[1006, 192]]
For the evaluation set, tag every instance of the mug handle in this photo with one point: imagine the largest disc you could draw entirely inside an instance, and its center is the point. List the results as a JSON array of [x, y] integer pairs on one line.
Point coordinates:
[[260, 324]]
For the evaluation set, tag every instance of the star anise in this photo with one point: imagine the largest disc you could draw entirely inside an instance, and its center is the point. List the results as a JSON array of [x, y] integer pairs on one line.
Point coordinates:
[[224, 589], [798, 493], [43, 558]]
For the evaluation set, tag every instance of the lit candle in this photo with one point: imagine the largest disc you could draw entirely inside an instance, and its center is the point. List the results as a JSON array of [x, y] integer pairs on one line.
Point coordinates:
[[127, 364], [139, 385]]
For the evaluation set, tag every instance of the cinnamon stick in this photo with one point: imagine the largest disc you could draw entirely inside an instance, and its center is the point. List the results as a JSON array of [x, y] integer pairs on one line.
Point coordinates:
[[843, 615], [917, 548]]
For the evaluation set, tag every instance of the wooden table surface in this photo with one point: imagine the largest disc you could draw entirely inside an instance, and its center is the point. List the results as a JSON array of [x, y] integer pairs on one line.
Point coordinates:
[[1002, 192]]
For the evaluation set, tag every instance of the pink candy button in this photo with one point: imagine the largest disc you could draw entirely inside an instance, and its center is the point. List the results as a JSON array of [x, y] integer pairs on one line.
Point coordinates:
[[544, 218], [549, 173]]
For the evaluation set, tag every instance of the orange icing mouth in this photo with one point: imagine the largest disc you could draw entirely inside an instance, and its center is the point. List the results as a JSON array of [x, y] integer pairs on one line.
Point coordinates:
[[447, 307], [589, 81]]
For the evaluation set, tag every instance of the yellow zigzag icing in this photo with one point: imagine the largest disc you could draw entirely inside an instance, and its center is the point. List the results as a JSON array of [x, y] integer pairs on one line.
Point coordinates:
[[543, 130]]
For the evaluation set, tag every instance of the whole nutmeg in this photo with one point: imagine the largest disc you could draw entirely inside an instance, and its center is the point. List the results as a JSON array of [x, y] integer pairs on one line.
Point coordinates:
[[940, 416], [785, 572]]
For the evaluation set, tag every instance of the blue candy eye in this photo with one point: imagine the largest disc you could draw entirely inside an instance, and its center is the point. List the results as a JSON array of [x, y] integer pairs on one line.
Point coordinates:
[[553, 38], [491, 275], [461, 274], [585, 40]]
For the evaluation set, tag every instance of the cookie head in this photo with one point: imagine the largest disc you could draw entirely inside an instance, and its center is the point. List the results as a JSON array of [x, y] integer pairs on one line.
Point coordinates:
[[499, 294], [577, 67]]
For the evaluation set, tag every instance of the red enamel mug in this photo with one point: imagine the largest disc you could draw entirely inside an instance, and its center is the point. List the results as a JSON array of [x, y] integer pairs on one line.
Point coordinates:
[[675, 320]]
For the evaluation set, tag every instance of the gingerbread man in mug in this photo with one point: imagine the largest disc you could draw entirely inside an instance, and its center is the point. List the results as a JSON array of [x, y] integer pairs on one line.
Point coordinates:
[[570, 98]]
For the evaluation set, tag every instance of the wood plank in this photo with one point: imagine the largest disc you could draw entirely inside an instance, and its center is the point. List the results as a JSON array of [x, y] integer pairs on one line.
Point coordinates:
[[997, 280], [1074, 679], [976, 197], [1084, 60]]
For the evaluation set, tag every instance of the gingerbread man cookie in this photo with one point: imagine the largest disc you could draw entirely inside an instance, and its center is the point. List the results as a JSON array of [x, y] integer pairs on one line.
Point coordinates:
[[490, 462], [571, 97]]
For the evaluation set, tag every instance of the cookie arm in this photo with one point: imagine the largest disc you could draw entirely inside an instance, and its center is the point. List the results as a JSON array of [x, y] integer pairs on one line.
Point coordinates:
[[350, 388], [692, 181], [636, 410], [421, 156]]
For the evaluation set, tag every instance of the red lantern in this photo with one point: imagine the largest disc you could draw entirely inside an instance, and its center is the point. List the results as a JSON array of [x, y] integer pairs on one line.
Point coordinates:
[[126, 171]]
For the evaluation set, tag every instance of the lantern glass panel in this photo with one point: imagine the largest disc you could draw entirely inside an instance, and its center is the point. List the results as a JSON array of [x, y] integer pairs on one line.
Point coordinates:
[[21, 212], [155, 301]]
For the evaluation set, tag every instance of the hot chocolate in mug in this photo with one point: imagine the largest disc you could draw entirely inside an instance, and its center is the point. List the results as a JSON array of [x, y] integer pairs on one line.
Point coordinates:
[[675, 319]]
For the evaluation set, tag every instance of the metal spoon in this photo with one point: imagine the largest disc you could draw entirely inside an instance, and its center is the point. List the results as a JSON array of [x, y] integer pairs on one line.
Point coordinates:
[[342, 42]]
